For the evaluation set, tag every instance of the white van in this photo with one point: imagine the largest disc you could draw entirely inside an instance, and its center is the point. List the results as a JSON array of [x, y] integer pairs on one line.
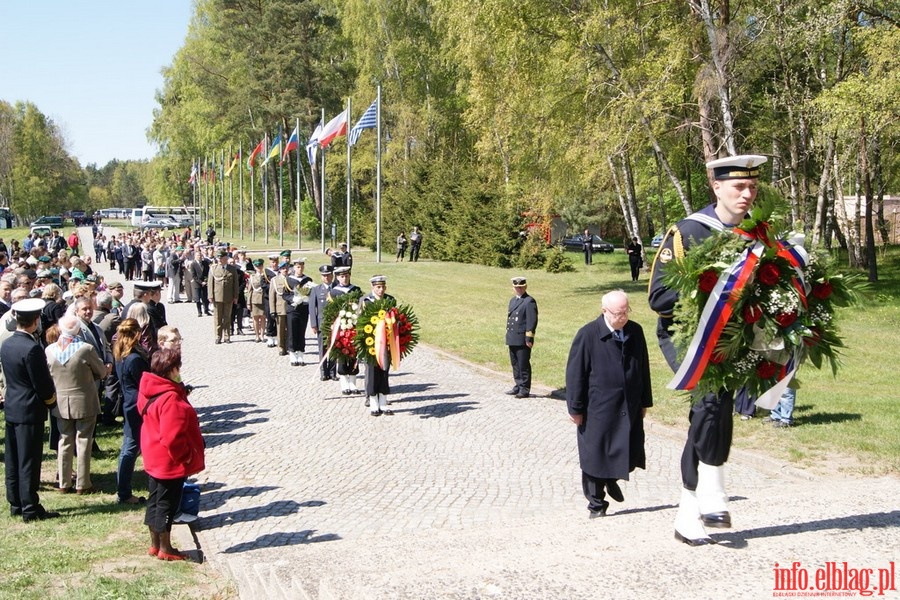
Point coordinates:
[[137, 217]]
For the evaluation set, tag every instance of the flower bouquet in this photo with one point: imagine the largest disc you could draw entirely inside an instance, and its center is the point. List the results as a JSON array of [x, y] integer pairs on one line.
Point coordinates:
[[752, 308], [339, 326], [386, 333]]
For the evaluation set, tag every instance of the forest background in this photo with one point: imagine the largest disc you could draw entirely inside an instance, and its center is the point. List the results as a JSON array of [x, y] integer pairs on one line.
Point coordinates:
[[500, 116]]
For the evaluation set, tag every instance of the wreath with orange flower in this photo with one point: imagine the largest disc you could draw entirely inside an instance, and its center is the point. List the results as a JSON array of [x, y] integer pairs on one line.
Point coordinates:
[[385, 332]]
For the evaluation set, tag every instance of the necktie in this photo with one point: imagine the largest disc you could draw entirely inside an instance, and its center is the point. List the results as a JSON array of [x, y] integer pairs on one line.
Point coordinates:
[[618, 335]]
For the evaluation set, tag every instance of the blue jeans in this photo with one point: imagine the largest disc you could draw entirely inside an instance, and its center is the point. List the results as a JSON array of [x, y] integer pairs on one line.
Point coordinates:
[[131, 448], [784, 410]]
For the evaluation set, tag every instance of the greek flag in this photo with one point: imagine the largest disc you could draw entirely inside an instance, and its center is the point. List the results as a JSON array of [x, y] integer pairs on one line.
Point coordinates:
[[313, 145], [367, 121]]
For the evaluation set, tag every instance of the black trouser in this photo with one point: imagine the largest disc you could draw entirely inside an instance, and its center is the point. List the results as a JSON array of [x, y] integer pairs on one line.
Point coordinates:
[[297, 320], [589, 255], [329, 368], [594, 490], [271, 321], [414, 253], [163, 503], [23, 454], [201, 296], [377, 380], [520, 359], [709, 435], [635, 268]]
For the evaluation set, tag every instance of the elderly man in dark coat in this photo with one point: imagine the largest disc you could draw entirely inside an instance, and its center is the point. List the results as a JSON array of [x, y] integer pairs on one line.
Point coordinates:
[[608, 393]]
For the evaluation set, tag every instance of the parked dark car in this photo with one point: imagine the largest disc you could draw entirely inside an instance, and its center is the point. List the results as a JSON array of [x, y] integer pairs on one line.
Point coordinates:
[[599, 244], [54, 222]]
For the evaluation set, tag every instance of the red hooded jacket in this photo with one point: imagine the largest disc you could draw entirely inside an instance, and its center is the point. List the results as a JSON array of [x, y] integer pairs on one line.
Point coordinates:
[[170, 435]]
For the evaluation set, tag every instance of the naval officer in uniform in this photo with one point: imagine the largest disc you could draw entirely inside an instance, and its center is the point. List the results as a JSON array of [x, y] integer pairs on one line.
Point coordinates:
[[521, 323]]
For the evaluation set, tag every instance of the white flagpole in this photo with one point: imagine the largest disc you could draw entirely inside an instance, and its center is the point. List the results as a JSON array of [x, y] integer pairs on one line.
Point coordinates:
[[265, 181], [231, 195], [241, 186], [347, 136], [252, 199], [378, 175], [322, 192], [299, 237], [280, 190]]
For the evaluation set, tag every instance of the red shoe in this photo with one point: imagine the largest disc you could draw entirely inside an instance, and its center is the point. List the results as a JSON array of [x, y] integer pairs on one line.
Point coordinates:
[[177, 556], [153, 551]]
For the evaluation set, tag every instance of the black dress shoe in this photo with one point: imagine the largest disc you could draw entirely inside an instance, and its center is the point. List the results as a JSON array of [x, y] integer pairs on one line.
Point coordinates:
[[324, 378], [40, 516], [15, 512], [704, 541], [376, 414], [614, 491], [523, 394], [389, 413], [720, 520], [512, 392], [600, 512]]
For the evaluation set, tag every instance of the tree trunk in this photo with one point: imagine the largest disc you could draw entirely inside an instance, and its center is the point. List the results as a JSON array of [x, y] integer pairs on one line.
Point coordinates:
[[719, 50], [871, 258], [634, 226], [820, 225]]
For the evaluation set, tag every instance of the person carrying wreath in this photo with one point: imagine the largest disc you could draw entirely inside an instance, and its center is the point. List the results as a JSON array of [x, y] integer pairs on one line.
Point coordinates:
[[703, 498], [377, 386]]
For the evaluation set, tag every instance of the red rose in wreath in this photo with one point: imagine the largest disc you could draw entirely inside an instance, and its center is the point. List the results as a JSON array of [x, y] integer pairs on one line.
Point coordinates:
[[767, 369], [823, 290], [786, 319], [752, 313], [707, 281], [768, 274], [716, 358]]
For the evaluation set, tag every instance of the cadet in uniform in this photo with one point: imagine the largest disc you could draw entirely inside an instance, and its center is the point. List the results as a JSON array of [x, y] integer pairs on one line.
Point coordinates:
[[258, 297], [347, 368], [225, 283], [703, 498], [377, 387], [298, 311], [521, 323], [271, 327], [319, 296], [278, 292]]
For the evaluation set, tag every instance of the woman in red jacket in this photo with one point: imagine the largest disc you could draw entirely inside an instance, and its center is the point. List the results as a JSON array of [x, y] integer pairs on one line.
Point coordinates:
[[171, 444]]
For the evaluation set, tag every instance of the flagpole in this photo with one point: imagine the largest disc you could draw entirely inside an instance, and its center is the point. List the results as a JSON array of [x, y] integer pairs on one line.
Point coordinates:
[[230, 195], [206, 188], [241, 187], [299, 237], [280, 191], [265, 182], [322, 194], [252, 200], [378, 176], [222, 179], [349, 120]]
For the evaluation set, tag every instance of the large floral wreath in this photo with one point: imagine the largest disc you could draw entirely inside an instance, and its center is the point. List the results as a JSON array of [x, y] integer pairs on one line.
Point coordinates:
[[386, 332], [339, 325], [752, 308]]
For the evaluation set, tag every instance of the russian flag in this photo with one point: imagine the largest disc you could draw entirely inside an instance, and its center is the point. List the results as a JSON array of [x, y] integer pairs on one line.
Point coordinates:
[[292, 144]]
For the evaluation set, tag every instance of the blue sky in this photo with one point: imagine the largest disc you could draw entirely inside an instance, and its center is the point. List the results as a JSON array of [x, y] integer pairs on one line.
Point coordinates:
[[92, 66]]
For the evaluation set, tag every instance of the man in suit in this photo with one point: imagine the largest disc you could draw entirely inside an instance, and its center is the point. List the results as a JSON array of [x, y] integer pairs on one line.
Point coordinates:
[[29, 394], [225, 282], [318, 298], [608, 393], [521, 324], [200, 281], [174, 264]]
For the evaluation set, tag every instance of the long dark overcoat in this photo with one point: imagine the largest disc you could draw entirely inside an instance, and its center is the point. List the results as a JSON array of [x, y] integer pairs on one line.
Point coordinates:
[[608, 382]]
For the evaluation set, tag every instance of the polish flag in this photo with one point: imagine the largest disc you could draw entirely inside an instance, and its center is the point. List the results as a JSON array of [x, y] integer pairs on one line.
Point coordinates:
[[334, 128]]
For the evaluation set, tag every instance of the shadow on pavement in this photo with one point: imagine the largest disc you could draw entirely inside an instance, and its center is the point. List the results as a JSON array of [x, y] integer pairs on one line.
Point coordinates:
[[213, 440], [211, 500], [410, 388], [441, 409], [739, 539], [274, 540], [280, 508]]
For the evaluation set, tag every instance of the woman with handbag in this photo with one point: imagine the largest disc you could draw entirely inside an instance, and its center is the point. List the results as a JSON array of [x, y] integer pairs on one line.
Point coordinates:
[[171, 444]]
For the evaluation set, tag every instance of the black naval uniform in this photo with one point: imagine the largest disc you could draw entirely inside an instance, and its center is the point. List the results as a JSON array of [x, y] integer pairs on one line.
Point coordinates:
[[376, 377], [271, 324], [349, 365], [711, 426], [521, 323], [29, 394], [297, 314], [319, 296]]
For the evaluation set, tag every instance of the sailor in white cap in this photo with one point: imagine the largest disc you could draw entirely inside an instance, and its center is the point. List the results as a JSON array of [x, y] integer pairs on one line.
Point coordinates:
[[347, 368], [29, 395], [377, 387], [298, 311], [703, 498]]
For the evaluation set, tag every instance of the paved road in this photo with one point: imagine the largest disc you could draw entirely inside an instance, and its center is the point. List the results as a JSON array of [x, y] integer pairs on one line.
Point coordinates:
[[468, 493]]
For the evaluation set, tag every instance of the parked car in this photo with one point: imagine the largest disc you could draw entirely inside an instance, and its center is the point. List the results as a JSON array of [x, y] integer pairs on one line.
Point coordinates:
[[656, 241], [41, 230], [598, 243], [54, 222], [159, 224]]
